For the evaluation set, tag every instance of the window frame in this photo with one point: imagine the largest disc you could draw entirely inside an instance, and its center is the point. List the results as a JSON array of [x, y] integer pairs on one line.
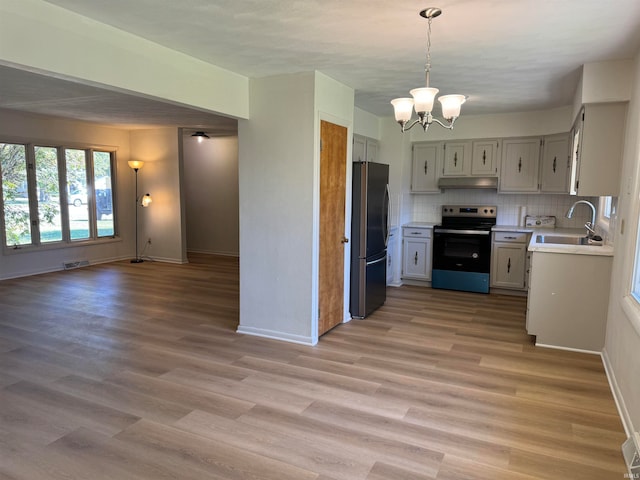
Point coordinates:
[[36, 244]]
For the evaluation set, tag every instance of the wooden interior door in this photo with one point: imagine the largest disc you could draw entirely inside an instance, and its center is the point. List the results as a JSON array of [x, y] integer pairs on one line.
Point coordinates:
[[333, 182]]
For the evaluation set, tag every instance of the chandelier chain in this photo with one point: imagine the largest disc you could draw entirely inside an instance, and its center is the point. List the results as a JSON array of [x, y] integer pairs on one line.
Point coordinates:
[[427, 66]]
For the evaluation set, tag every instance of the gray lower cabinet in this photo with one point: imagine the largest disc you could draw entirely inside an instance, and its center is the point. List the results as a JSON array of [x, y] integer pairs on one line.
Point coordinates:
[[509, 260], [568, 300], [416, 253]]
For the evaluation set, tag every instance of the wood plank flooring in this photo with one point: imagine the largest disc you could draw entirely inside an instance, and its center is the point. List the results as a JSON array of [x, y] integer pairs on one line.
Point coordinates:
[[122, 371]]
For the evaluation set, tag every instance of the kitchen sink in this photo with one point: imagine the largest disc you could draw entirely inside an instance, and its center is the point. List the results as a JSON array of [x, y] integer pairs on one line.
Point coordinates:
[[566, 240]]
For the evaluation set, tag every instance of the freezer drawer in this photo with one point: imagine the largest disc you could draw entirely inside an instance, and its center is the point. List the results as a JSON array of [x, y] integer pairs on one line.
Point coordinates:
[[368, 285]]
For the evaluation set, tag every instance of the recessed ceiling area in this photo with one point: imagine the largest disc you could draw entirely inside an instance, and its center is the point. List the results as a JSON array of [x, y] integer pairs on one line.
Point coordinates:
[[35, 93]]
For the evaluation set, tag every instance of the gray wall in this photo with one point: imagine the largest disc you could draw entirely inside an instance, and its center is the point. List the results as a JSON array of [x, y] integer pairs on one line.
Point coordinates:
[[210, 185]]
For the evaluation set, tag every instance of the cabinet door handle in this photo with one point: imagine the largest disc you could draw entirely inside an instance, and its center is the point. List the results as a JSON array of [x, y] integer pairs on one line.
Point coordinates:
[[509, 265], [554, 164], [426, 167], [455, 159], [520, 165], [510, 238], [484, 157], [415, 259]]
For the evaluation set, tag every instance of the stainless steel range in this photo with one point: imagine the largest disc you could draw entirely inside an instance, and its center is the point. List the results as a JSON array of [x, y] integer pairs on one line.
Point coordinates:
[[462, 248]]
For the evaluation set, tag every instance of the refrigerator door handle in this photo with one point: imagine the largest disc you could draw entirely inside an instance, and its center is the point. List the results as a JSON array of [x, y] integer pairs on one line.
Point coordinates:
[[387, 230], [373, 262]]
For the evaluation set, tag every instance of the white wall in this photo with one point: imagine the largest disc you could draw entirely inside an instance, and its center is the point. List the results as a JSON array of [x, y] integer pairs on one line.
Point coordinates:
[[23, 127], [499, 125], [366, 124], [211, 194], [163, 220], [622, 346], [333, 103], [279, 201], [276, 179]]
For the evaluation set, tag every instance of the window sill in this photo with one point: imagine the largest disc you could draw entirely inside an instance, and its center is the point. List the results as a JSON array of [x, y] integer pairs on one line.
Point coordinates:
[[59, 245], [631, 309]]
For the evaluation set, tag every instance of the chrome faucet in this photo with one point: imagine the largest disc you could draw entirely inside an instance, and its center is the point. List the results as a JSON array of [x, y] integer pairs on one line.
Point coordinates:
[[590, 226]]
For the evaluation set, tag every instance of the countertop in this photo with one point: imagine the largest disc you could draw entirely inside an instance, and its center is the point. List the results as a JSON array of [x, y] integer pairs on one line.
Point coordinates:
[[534, 246], [420, 224], [512, 228]]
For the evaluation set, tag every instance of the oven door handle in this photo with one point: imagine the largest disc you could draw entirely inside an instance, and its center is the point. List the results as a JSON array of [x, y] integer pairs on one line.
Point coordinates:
[[463, 232]]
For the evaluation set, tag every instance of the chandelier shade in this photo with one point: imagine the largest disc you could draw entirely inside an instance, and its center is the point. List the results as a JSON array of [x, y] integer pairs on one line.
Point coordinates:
[[402, 108], [451, 105], [424, 97]]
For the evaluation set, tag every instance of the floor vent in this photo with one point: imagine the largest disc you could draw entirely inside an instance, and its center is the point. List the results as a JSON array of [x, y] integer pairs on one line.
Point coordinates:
[[631, 453], [78, 264]]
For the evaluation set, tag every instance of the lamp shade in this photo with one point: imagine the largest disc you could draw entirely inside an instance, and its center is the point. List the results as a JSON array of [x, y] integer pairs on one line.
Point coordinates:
[[135, 164], [451, 105], [146, 200], [402, 108], [423, 99]]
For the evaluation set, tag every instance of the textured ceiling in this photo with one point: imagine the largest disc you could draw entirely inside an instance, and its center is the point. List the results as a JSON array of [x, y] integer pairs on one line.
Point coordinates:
[[506, 55]]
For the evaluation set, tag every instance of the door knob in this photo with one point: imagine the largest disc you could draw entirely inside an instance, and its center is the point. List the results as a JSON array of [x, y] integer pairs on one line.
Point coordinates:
[[344, 240]]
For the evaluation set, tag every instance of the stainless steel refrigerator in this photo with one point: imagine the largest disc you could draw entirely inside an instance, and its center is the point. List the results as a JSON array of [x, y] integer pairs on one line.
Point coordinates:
[[369, 236]]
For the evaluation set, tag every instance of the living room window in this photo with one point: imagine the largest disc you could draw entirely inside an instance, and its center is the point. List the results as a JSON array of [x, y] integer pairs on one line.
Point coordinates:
[[635, 287], [52, 195]]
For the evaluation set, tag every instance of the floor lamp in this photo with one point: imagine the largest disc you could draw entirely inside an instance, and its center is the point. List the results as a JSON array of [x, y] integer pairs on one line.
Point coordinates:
[[136, 165]]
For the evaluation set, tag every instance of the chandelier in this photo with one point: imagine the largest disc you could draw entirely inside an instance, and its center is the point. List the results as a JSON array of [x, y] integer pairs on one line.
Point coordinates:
[[423, 98]]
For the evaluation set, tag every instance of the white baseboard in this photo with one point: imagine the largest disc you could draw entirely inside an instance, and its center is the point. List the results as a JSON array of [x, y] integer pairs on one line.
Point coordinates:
[[273, 334], [213, 252], [568, 349], [165, 260], [617, 395]]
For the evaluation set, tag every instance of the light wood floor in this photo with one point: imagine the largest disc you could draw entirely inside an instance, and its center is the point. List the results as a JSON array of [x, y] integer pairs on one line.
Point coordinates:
[[124, 371]]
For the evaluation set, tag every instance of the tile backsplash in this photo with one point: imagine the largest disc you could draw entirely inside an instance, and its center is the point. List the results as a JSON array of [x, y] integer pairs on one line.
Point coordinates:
[[427, 208]]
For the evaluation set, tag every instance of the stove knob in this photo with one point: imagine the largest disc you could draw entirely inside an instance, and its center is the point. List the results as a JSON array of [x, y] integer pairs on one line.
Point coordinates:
[[485, 211], [491, 210]]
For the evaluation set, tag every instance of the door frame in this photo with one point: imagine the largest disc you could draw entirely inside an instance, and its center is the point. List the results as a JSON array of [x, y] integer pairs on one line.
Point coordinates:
[[315, 282]]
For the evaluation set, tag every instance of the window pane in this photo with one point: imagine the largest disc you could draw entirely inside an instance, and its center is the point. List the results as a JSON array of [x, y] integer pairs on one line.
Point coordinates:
[[13, 162], [48, 194], [104, 198], [635, 287], [77, 194], [607, 207]]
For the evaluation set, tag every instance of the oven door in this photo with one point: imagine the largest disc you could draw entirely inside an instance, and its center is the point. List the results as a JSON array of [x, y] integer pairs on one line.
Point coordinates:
[[461, 250]]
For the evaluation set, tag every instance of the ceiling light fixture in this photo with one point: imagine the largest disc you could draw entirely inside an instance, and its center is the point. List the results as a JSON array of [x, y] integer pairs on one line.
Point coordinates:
[[201, 136], [423, 98]]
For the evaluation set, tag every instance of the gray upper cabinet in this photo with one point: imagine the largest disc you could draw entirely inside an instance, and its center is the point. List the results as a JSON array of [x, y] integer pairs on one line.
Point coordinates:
[[457, 159], [364, 149], [424, 172], [520, 165], [596, 153], [555, 164], [359, 148], [484, 158], [371, 150]]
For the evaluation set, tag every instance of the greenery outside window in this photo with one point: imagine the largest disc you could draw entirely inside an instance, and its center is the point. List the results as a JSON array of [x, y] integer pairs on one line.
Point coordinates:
[[52, 195]]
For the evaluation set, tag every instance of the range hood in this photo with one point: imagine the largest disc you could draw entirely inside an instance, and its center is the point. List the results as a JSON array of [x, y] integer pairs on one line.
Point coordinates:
[[468, 182]]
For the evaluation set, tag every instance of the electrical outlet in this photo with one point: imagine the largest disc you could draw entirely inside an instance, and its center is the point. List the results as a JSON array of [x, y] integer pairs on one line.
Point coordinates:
[[149, 241]]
